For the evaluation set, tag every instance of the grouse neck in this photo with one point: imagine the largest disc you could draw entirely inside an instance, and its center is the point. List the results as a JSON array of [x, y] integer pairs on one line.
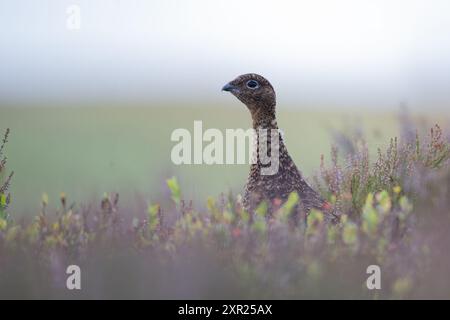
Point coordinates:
[[269, 144], [265, 124], [264, 121]]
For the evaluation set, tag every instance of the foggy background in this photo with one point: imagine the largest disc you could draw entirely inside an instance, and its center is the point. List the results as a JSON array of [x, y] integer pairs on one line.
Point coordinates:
[[320, 54]]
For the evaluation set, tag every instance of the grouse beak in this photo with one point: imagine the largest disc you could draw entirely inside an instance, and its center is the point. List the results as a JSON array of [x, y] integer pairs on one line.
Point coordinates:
[[229, 87]]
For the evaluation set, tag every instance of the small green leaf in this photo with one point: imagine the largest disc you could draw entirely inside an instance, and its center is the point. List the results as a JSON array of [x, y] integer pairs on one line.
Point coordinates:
[[290, 203], [2, 200], [350, 233], [370, 216], [261, 210], [3, 224], [314, 221], [153, 218], [384, 202], [174, 187]]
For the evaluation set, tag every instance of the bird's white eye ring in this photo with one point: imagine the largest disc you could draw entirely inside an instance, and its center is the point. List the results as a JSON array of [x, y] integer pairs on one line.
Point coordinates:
[[252, 84]]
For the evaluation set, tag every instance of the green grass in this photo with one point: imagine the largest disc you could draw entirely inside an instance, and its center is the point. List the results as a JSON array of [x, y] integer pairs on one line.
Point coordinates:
[[90, 150]]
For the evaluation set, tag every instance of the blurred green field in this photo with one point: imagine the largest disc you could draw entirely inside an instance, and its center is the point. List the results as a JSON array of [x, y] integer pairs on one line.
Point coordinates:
[[87, 151]]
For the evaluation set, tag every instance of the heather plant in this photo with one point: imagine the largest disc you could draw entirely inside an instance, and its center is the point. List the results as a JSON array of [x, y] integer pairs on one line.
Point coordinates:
[[403, 167], [5, 181], [386, 205]]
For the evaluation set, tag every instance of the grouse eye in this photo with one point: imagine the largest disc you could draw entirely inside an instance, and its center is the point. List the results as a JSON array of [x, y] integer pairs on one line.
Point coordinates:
[[252, 84]]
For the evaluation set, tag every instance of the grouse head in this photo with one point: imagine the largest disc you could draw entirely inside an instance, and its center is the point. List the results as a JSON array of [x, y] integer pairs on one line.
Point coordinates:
[[256, 93]]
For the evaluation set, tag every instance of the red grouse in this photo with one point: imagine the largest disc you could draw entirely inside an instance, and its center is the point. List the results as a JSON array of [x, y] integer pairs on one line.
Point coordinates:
[[259, 96]]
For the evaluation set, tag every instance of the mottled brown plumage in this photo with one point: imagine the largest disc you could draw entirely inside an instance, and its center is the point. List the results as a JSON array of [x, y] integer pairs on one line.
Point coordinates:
[[259, 96]]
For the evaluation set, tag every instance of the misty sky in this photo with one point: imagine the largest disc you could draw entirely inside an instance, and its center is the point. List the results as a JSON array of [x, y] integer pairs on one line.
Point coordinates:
[[319, 53]]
